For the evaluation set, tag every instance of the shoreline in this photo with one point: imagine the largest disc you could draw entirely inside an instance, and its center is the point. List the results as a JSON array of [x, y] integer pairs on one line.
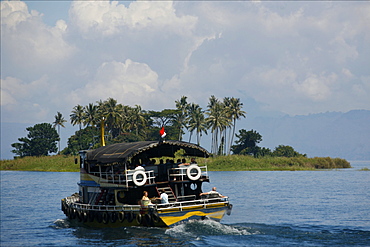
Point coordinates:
[[61, 163]]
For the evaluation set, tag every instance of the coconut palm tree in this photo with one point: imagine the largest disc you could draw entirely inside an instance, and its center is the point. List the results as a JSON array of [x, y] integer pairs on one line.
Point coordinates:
[[236, 112], [197, 122], [78, 115], [137, 118], [217, 121], [59, 121], [112, 112], [91, 115], [180, 118], [192, 110]]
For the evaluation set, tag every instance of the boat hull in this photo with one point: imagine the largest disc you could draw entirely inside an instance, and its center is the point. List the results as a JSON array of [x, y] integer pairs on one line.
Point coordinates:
[[147, 217]]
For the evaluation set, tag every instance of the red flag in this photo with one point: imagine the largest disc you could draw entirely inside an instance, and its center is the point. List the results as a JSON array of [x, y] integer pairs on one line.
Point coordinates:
[[162, 132]]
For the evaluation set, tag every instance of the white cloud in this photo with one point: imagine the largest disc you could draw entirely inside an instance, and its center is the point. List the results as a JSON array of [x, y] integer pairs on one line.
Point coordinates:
[[292, 57], [21, 102], [130, 83], [110, 18], [27, 42]]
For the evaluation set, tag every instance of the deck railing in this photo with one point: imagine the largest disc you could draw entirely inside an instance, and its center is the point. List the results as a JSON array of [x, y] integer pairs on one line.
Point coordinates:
[[180, 206]]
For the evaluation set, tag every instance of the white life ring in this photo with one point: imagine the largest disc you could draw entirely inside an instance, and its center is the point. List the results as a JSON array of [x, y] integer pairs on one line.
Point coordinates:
[[190, 174], [136, 174]]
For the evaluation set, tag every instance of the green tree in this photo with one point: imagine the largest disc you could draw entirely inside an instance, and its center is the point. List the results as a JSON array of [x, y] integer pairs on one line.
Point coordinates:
[[59, 121], [112, 112], [78, 115], [198, 123], [40, 141], [247, 142], [91, 115], [180, 117], [217, 121], [286, 151], [82, 140], [236, 112]]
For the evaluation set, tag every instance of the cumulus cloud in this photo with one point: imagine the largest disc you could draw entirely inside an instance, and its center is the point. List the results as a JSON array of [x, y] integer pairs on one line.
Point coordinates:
[[22, 101], [29, 44], [291, 57], [109, 18], [130, 83]]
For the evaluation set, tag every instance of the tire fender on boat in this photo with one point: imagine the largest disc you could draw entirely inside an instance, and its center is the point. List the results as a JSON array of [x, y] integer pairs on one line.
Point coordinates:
[[130, 216], [73, 213], [113, 217], [105, 217], [139, 218], [148, 219], [121, 216], [99, 217], [91, 215], [135, 179], [155, 217], [189, 172], [79, 215]]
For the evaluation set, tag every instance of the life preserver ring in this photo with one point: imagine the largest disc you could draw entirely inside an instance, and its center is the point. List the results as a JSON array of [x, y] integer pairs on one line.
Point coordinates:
[[121, 216], [113, 217], [155, 217], [135, 178], [130, 216], [190, 173], [139, 218], [105, 217]]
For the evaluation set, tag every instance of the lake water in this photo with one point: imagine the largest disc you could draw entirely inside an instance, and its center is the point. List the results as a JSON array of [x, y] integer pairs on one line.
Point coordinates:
[[281, 208]]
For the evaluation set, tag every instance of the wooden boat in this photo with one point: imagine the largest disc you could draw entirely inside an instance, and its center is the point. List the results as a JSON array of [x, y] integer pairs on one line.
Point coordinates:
[[111, 187]]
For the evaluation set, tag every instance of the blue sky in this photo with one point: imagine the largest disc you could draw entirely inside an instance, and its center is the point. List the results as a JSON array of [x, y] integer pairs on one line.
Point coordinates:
[[278, 57]]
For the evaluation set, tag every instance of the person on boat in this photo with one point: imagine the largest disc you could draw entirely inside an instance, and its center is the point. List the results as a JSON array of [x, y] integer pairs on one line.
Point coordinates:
[[183, 163], [164, 197], [192, 161], [145, 201], [213, 192]]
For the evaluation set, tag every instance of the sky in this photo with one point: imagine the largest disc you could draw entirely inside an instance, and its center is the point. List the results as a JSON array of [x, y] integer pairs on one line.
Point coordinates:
[[278, 57]]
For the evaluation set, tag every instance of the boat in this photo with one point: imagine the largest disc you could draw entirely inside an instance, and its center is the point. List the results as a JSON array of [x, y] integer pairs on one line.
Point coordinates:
[[113, 179]]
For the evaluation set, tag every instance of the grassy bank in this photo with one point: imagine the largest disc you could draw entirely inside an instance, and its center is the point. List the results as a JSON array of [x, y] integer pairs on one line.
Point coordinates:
[[60, 163], [55, 163], [248, 163]]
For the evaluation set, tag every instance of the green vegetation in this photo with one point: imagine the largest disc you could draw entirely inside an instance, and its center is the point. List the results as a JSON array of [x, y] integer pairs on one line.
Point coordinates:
[[55, 163], [123, 123], [40, 141], [249, 163], [220, 163]]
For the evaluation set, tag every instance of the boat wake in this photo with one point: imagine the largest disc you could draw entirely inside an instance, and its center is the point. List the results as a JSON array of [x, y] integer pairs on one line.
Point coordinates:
[[61, 224], [206, 227]]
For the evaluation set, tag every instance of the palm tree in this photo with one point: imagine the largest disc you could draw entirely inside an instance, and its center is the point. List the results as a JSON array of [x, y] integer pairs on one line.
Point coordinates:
[[217, 121], [192, 109], [90, 115], [112, 112], [78, 115], [137, 118], [59, 121], [197, 122], [236, 112], [180, 117]]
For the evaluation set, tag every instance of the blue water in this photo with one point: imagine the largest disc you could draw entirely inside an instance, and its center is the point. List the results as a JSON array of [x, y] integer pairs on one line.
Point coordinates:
[[293, 208]]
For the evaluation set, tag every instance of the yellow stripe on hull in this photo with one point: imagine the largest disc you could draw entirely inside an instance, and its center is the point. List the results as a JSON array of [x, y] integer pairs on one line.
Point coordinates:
[[170, 220]]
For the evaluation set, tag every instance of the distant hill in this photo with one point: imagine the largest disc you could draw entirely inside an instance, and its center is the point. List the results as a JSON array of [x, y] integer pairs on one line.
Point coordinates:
[[334, 134]]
